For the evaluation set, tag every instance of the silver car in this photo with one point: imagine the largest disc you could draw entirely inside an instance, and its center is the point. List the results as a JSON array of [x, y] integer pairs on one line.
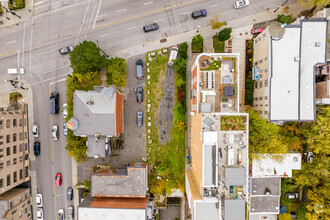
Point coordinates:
[[55, 134], [65, 129], [241, 3], [70, 212], [139, 118]]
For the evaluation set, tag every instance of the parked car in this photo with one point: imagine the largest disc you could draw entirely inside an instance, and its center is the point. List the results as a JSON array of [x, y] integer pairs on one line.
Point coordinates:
[[69, 193], [40, 214], [139, 118], [256, 30], [151, 27], [55, 134], [58, 179], [173, 55], [65, 50], [199, 13], [70, 212], [16, 71], [139, 94], [36, 148], [54, 107], [65, 110], [39, 200], [35, 130], [241, 3], [61, 214], [65, 129], [292, 195], [310, 157], [139, 66]]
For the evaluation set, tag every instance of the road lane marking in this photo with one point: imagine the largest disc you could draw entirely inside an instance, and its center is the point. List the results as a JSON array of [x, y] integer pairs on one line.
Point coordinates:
[[148, 3], [38, 3], [56, 10], [211, 6], [82, 23], [121, 10], [186, 13], [159, 20], [10, 42], [23, 43], [147, 13], [90, 20], [101, 15], [130, 28], [103, 35], [14, 51], [97, 13]]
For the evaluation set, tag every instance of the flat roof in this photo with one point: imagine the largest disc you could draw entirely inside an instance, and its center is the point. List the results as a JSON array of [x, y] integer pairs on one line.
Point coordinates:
[[292, 92], [207, 210], [235, 176], [209, 165], [265, 204], [96, 147], [87, 213], [234, 209], [269, 186]]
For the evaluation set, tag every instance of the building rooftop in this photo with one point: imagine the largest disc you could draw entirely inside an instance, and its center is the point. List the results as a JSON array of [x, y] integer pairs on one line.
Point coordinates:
[[269, 186], [235, 176], [96, 147], [265, 204], [207, 210], [130, 182], [234, 209]]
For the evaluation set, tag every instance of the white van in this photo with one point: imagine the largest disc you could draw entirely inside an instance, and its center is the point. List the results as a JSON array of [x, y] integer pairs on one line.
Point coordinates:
[[173, 55], [16, 71]]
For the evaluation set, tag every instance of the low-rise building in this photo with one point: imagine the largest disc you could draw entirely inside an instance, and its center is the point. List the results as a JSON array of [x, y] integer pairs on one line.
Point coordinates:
[[323, 85]]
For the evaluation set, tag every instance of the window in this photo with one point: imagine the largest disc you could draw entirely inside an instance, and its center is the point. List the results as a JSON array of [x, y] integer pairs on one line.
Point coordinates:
[[256, 98], [8, 151], [20, 122], [1, 137], [260, 112], [260, 98], [20, 136], [256, 105], [260, 75], [26, 172], [266, 97], [21, 148], [8, 179], [14, 161], [21, 159], [20, 198], [20, 215], [8, 123], [266, 82], [256, 63], [8, 138], [14, 149], [266, 70], [266, 112], [260, 61], [1, 183], [1, 124], [1, 142], [1, 156], [11, 204], [260, 71], [14, 212], [256, 85], [14, 137], [21, 174], [8, 163], [26, 194], [1, 150], [1, 166], [260, 84], [266, 105], [14, 122]]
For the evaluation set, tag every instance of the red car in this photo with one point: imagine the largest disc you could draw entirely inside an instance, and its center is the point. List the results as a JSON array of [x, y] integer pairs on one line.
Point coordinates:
[[256, 30], [58, 179]]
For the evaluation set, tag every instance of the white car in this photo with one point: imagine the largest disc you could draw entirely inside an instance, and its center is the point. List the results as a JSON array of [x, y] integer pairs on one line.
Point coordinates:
[[35, 130], [60, 214], [40, 214], [241, 3], [55, 132], [65, 110], [65, 129], [39, 200]]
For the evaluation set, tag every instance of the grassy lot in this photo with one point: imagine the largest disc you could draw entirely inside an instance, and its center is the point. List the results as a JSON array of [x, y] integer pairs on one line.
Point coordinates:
[[219, 46], [17, 4], [215, 65], [166, 162]]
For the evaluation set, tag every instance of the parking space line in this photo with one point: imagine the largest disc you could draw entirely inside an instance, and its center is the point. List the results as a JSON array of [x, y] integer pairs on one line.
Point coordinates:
[[130, 28], [121, 10], [103, 35], [10, 42], [148, 3], [211, 6], [159, 20]]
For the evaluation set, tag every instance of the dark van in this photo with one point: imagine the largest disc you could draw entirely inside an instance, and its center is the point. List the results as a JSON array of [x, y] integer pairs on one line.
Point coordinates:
[[54, 106], [199, 13], [139, 65]]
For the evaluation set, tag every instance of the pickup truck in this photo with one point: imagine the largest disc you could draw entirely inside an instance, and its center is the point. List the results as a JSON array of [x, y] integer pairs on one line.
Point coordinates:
[[173, 55]]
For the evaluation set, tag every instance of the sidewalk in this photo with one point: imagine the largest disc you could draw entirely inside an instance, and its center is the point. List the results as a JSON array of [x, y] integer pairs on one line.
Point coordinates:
[[24, 13]]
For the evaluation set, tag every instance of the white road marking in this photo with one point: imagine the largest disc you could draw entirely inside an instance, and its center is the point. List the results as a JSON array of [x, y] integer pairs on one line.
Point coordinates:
[[121, 10], [101, 15], [38, 3], [159, 19], [211, 6], [90, 20], [186, 13], [97, 13], [50, 70], [82, 22], [103, 35], [10, 42], [57, 81], [130, 28], [59, 9], [23, 43], [148, 3]]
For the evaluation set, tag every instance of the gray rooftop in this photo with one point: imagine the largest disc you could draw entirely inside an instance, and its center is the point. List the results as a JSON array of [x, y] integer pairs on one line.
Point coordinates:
[[209, 165], [265, 204], [234, 209], [235, 176], [95, 112], [293, 58], [96, 147], [228, 90], [132, 183], [266, 186], [207, 210]]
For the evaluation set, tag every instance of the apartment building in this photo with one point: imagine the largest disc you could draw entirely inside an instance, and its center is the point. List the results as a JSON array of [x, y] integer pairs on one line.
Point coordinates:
[[286, 60], [14, 155], [16, 204]]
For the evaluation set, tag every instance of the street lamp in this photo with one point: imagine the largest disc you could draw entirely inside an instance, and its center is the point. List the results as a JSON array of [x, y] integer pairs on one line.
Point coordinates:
[[198, 28]]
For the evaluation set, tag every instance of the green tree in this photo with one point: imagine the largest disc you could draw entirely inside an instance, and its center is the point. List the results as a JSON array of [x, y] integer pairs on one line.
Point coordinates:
[[116, 72], [285, 216], [183, 49], [180, 66], [197, 44], [86, 57], [224, 34], [284, 19]]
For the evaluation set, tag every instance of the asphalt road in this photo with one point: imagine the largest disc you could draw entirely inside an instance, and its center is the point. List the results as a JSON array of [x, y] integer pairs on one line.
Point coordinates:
[[116, 24]]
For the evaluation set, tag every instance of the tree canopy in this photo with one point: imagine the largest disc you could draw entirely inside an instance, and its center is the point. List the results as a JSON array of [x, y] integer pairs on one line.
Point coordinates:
[[316, 2], [224, 34], [116, 72]]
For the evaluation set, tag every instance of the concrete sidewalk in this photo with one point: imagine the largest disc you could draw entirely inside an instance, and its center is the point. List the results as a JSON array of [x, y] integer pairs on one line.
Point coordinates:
[[24, 13]]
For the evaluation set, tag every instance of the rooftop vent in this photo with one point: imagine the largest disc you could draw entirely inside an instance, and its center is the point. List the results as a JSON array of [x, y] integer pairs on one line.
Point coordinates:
[[90, 102], [296, 59], [317, 44]]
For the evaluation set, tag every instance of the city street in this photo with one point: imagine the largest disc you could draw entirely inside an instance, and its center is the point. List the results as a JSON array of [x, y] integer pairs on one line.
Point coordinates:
[[34, 45]]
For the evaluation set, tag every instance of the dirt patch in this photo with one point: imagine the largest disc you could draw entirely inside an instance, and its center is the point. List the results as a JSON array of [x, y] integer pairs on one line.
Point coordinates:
[[165, 120]]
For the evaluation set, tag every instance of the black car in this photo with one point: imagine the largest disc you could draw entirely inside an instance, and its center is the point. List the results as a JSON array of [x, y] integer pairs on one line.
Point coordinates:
[[199, 13], [139, 94], [69, 193], [36, 148], [151, 27], [54, 106]]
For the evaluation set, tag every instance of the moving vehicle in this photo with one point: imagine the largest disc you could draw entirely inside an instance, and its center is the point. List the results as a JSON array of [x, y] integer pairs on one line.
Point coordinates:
[[36, 148], [151, 27], [54, 107], [40, 214], [231, 156], [58, 179], [69, 193], [241, 3], [55, 134], [16, 71], [70, 212], [39, 200], [173, 55], [60, 214], [199, 13], [139, 65], [35, 130], [139, 118], [257, 30], [292, 195], [139, 94], [65, 129], [66, 50], [65, 110]]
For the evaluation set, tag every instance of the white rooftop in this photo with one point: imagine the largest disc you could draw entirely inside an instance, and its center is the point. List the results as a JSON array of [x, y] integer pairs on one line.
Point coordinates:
[[280, 165], [86, 213]]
